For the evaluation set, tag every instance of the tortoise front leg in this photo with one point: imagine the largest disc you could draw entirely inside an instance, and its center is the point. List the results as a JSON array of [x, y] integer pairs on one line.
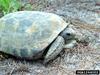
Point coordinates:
[[55, 49]]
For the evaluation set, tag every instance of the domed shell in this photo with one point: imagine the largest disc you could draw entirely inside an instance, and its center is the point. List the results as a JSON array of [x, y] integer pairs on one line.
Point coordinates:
[[28, 33]]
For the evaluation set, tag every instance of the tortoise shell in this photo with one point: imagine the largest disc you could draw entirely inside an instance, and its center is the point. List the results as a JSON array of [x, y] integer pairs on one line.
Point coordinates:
[[28, 33]]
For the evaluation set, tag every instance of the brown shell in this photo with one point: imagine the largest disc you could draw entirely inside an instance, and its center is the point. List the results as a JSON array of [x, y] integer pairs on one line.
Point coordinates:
[[28, 33]]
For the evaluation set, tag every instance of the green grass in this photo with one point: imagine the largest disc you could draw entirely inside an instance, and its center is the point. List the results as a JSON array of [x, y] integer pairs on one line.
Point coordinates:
[[7, 6]]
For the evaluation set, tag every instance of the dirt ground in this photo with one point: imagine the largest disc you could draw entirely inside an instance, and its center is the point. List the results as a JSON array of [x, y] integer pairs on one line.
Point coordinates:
[[81, 57]]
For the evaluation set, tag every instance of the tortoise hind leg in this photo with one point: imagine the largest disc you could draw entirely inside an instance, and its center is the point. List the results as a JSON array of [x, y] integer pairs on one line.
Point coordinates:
[[55, 49]]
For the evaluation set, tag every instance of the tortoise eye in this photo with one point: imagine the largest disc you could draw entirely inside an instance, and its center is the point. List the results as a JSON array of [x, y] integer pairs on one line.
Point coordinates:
[[68, 34]]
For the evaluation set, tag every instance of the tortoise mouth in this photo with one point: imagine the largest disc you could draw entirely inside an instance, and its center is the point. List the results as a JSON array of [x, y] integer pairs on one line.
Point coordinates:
[[70, 36]]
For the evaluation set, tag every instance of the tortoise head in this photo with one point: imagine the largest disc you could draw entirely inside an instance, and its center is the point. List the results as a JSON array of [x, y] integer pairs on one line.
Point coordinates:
[[69, 36], [68, 33]]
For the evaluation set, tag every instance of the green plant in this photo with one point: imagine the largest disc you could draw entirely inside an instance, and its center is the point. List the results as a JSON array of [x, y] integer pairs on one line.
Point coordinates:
[[7, 6]]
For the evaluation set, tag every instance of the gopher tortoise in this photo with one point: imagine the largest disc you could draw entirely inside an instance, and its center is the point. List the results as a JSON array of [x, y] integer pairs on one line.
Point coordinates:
[[34, 35]]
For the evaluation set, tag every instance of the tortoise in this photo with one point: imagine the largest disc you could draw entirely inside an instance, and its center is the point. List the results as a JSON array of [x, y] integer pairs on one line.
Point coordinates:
[[34, 35]]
